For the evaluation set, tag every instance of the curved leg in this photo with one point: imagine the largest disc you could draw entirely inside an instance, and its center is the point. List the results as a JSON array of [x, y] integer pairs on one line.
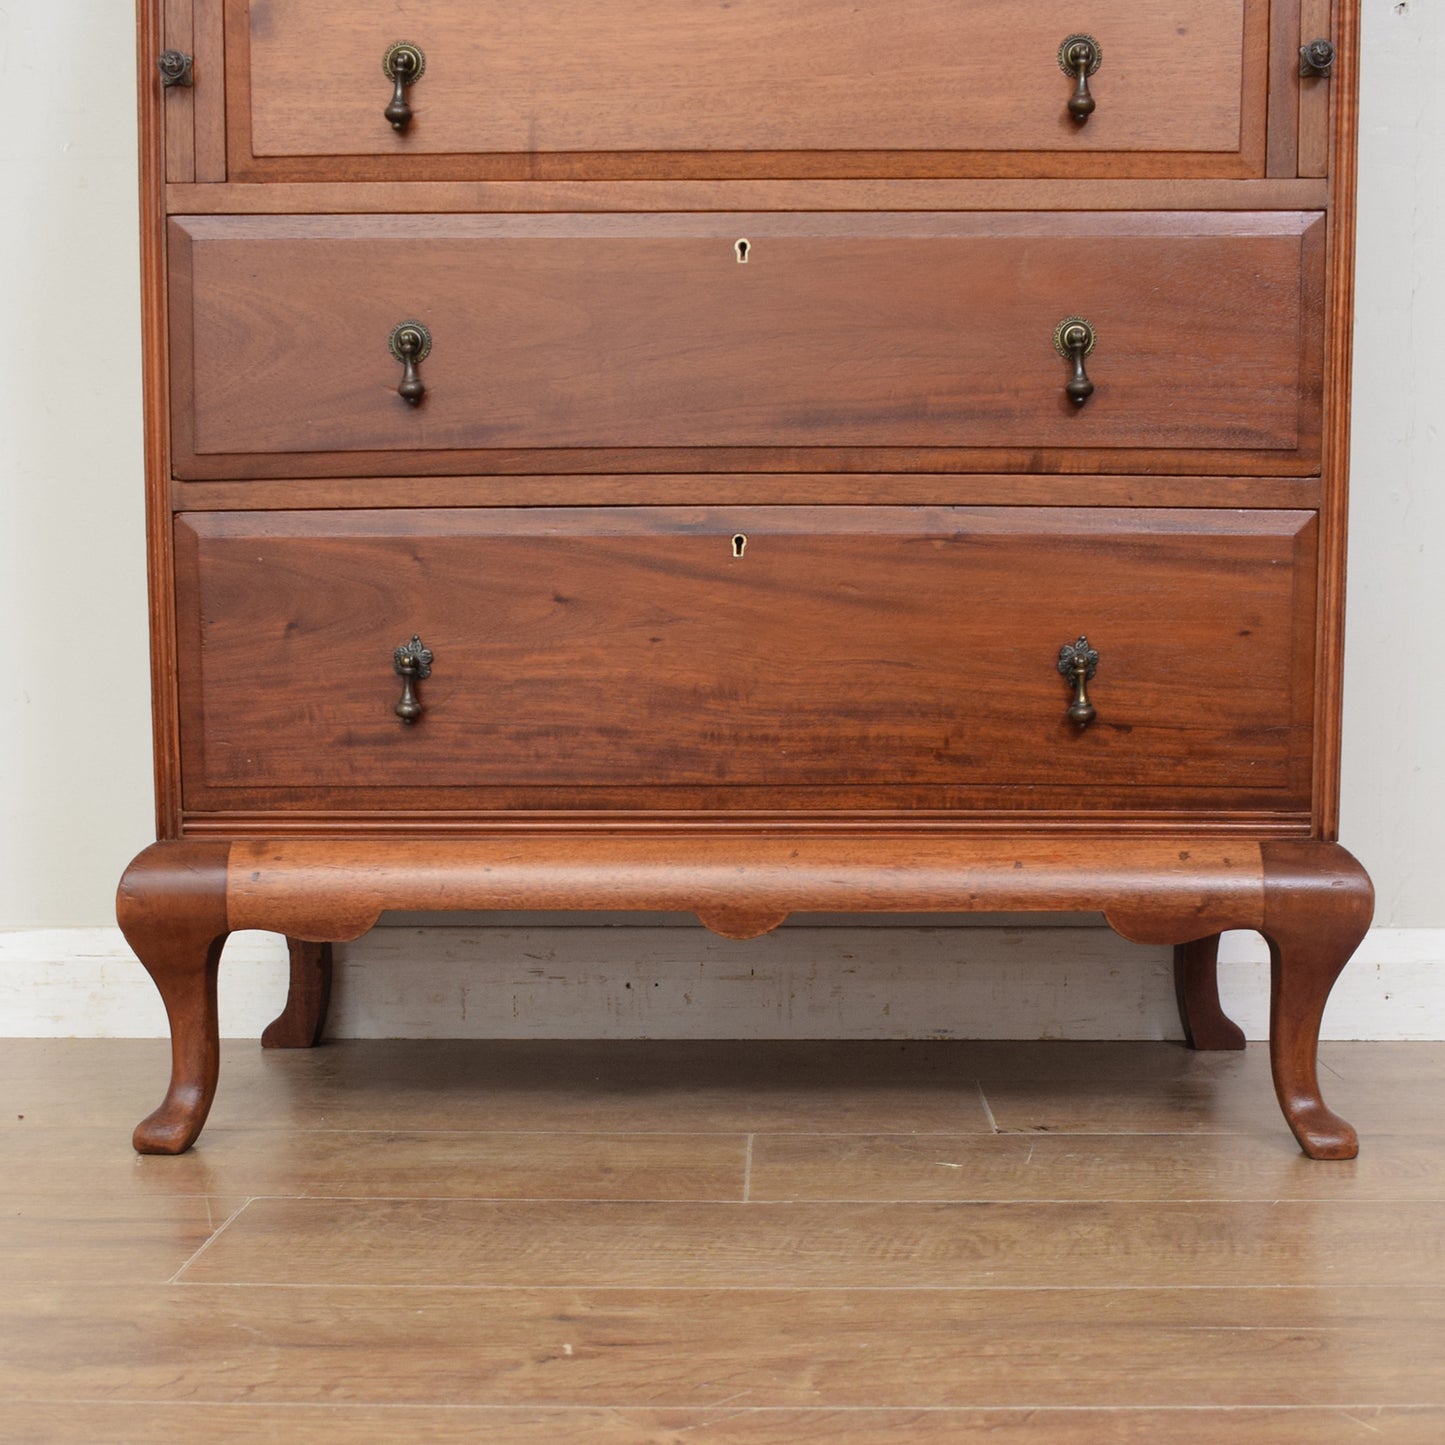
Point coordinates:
[[1196, 985], [1318, 903], [171, 906], [299, 1024]]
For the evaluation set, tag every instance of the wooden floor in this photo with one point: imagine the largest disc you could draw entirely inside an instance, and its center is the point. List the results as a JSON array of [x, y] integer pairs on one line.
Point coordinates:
[[685, 1242]]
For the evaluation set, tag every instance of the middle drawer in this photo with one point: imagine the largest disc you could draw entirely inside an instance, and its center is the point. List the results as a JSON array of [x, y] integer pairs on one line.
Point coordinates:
[[775, 342]]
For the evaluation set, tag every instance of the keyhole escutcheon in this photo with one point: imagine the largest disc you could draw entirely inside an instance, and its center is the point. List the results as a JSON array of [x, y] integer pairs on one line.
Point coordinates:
[[740, 545], [742, 246]]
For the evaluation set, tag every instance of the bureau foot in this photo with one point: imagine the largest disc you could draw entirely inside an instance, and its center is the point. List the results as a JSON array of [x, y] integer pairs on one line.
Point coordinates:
[[300, 1023], [1318, 903], [1196, 985], [171, 907]]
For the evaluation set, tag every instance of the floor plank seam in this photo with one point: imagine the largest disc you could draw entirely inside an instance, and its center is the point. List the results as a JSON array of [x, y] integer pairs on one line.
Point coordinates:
[[987, 1111], [613, 1288], [211, 1238], [984, 1407]]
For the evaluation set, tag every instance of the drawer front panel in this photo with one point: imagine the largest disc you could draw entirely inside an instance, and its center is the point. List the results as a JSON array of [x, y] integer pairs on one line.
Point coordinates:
[[833, 657], [569, 333], [624, 89]]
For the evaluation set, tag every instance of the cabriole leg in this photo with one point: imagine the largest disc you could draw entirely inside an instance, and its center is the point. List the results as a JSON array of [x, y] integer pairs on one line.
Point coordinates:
[[171, 906], [1317, 908], [1196, 985], [299, 1025]]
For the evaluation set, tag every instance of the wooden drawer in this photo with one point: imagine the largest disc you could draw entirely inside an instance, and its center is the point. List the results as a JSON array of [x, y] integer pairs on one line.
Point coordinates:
[[585, 88], [884, 342], [765, 658]]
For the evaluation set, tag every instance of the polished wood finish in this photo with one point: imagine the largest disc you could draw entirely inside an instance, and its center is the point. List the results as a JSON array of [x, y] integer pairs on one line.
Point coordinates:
[[839, 661], [845, 716], [171, 906], [301, 1023], [1315, 93], [1310, 900], [179, 118], [752, 489], [1196, 985], [782, 86], [917, 331], [652, 197], [1311, 935]]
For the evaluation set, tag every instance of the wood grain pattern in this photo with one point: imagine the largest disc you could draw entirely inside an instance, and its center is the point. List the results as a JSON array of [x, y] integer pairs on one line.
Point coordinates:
[[155, 395], [337, 889], [210, 94], [1282, 144], [1339, 362], [1316, 93], [874, 331], [1196, 984], [51, 1238], [178, 107], [892, 1246], [438, 1163], [1083, 1167], [162, 1422], [91, 1326], [769, 79], [652, 197], [651, 617], [767, 489], [301, 1022], [1136, 1348]]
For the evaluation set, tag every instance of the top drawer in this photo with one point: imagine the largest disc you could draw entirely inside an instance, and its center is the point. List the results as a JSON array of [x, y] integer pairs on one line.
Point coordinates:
[[604, 89]]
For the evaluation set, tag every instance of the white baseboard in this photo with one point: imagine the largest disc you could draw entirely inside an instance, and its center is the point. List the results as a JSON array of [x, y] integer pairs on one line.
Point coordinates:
[[538, 979]]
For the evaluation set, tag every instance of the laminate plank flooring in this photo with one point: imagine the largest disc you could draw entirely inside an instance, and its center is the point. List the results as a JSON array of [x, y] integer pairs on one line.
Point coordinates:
[[689, 1242], [150, 1424]]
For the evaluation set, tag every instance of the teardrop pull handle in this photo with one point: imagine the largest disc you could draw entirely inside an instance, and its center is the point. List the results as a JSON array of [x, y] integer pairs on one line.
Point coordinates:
[[1074, 339], [403, 64], [411, 662], [1316, 60], [1079, 58], [410, 343], [1078, 662]]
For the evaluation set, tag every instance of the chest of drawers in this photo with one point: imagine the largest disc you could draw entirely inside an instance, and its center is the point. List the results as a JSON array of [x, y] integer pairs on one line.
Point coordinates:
[[747, 458]]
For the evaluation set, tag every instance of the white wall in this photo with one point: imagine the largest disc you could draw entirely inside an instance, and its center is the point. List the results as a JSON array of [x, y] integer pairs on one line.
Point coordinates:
[[74, 710]]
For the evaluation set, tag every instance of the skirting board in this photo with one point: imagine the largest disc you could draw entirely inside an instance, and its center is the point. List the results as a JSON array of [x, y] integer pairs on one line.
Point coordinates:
[[532, 977]]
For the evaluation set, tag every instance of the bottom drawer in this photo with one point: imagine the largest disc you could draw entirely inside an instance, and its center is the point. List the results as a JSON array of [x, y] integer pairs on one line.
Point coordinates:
[[773, 658]]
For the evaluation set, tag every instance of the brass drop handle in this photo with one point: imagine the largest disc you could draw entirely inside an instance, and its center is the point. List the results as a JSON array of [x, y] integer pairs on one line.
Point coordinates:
[[1074, 339], [412, 662], [403, 64], [1079, 58], [1078, 662], [410, 344]]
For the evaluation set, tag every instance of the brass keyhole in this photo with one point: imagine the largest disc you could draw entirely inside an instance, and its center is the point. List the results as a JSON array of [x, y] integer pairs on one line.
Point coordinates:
[[742, 247], [740, 545]]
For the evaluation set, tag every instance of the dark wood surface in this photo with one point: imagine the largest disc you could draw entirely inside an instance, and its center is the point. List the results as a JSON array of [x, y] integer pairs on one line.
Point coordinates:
[[1310, 900], [786, 87], [300, 1024], [1196, 986], [600, 358], [853, 656], [591, 332]]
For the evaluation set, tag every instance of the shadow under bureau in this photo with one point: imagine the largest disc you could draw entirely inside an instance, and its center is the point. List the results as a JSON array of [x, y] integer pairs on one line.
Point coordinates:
[[747, 459]]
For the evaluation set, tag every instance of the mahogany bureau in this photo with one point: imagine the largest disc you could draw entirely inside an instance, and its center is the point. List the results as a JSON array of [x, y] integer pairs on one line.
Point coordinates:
[[747, 457]]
